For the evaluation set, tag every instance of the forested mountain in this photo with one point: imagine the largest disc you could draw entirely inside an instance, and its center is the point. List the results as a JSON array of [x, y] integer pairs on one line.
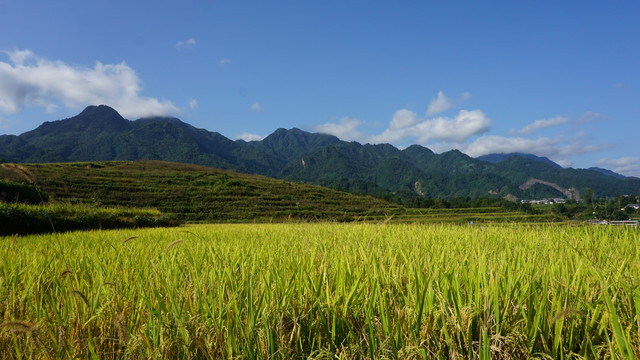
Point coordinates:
[[496, 158], [100, 133]]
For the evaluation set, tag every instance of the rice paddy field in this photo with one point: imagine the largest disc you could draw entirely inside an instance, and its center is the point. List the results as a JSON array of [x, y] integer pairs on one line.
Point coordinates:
[[323, 291]]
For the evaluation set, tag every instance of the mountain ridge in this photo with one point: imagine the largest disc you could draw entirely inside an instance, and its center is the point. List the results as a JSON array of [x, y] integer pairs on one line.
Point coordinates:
[[99, 133], [499, 157]]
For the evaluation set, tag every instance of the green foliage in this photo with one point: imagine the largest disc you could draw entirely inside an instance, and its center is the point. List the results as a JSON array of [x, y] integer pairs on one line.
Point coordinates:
[[21, 193], [587, 196], [32, 219]]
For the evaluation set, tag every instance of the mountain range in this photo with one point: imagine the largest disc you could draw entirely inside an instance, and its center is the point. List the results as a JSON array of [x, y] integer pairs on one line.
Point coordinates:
[[99, 133]]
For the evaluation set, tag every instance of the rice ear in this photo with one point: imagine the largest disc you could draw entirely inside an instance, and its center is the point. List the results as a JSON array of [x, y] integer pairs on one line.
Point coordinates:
[[19, 326], [173, 244], [21, 170], [84, 299], [129, 238]]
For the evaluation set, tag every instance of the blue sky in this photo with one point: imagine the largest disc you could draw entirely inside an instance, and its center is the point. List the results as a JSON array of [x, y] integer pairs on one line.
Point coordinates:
[[557, 79]]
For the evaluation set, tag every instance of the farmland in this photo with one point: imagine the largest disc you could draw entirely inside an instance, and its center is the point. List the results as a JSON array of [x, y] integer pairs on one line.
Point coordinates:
[[323, 290], [195, 193], [99, 195]]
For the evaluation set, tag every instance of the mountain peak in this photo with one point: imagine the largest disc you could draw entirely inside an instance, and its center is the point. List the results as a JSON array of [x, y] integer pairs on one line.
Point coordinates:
[[99, 118], [92, 120], [99, 111]]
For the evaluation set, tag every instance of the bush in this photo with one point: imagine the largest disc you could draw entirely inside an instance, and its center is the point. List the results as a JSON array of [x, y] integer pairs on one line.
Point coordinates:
[[20, 193], [32, 219]]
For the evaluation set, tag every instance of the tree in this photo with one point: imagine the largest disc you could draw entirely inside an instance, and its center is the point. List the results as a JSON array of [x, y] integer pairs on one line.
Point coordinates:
[[560, 209], [587, 196]]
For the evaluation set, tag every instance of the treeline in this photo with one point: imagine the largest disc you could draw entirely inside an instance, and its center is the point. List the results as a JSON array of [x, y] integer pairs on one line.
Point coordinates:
[[460, 203], [616, 209]]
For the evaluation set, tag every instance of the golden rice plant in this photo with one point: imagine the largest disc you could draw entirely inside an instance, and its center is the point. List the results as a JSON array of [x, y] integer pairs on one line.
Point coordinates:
[[349, 291]]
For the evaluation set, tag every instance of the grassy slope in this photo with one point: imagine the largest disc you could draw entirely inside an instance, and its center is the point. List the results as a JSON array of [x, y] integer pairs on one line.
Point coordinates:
[[198, 193]]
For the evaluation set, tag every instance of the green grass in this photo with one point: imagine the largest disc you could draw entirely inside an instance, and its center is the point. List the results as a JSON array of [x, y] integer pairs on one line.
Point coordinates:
[[319, 291]]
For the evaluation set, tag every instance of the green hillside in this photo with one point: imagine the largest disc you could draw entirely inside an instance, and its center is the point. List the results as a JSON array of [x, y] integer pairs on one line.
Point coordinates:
[[198, 194]]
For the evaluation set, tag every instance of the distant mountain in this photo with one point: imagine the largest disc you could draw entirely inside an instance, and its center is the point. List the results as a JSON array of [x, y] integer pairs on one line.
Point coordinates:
[[496, 158], [607, 172], [100, 133]]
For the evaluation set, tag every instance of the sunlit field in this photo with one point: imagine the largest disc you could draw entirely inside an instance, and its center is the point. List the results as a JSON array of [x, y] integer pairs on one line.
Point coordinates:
[[350, 291]]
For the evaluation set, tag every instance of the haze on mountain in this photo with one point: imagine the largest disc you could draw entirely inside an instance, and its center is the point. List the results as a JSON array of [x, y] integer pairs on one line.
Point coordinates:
[[99, 133]]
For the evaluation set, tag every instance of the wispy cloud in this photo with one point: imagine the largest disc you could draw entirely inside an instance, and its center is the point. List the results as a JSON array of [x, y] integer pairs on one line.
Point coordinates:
[[250, 137], [555, 121], [224, 61], [346, 129], [255, 107], [629, 165], [186, 44], [540, 124], [28, 80], [558, 149], [439, 104], [442, 103], [19, 57], [193, 104]]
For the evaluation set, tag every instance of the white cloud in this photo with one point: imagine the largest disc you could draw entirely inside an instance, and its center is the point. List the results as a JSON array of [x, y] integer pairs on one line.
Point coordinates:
[[193, 104], [346, 129], [458, 129], [555, 121], [406, 125], [438, 105], [32, 81], [557, 149], [629, 165], [225, 61], [186, 44], [564, 163], [499, 144], [441, 103], [540, 124], [249, 137], [403, 119], [465, 125], [19, 57], [620, 162], [255, 107]]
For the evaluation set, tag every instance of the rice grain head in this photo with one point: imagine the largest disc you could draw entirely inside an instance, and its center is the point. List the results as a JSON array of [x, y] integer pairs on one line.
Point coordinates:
[[21, 170]]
